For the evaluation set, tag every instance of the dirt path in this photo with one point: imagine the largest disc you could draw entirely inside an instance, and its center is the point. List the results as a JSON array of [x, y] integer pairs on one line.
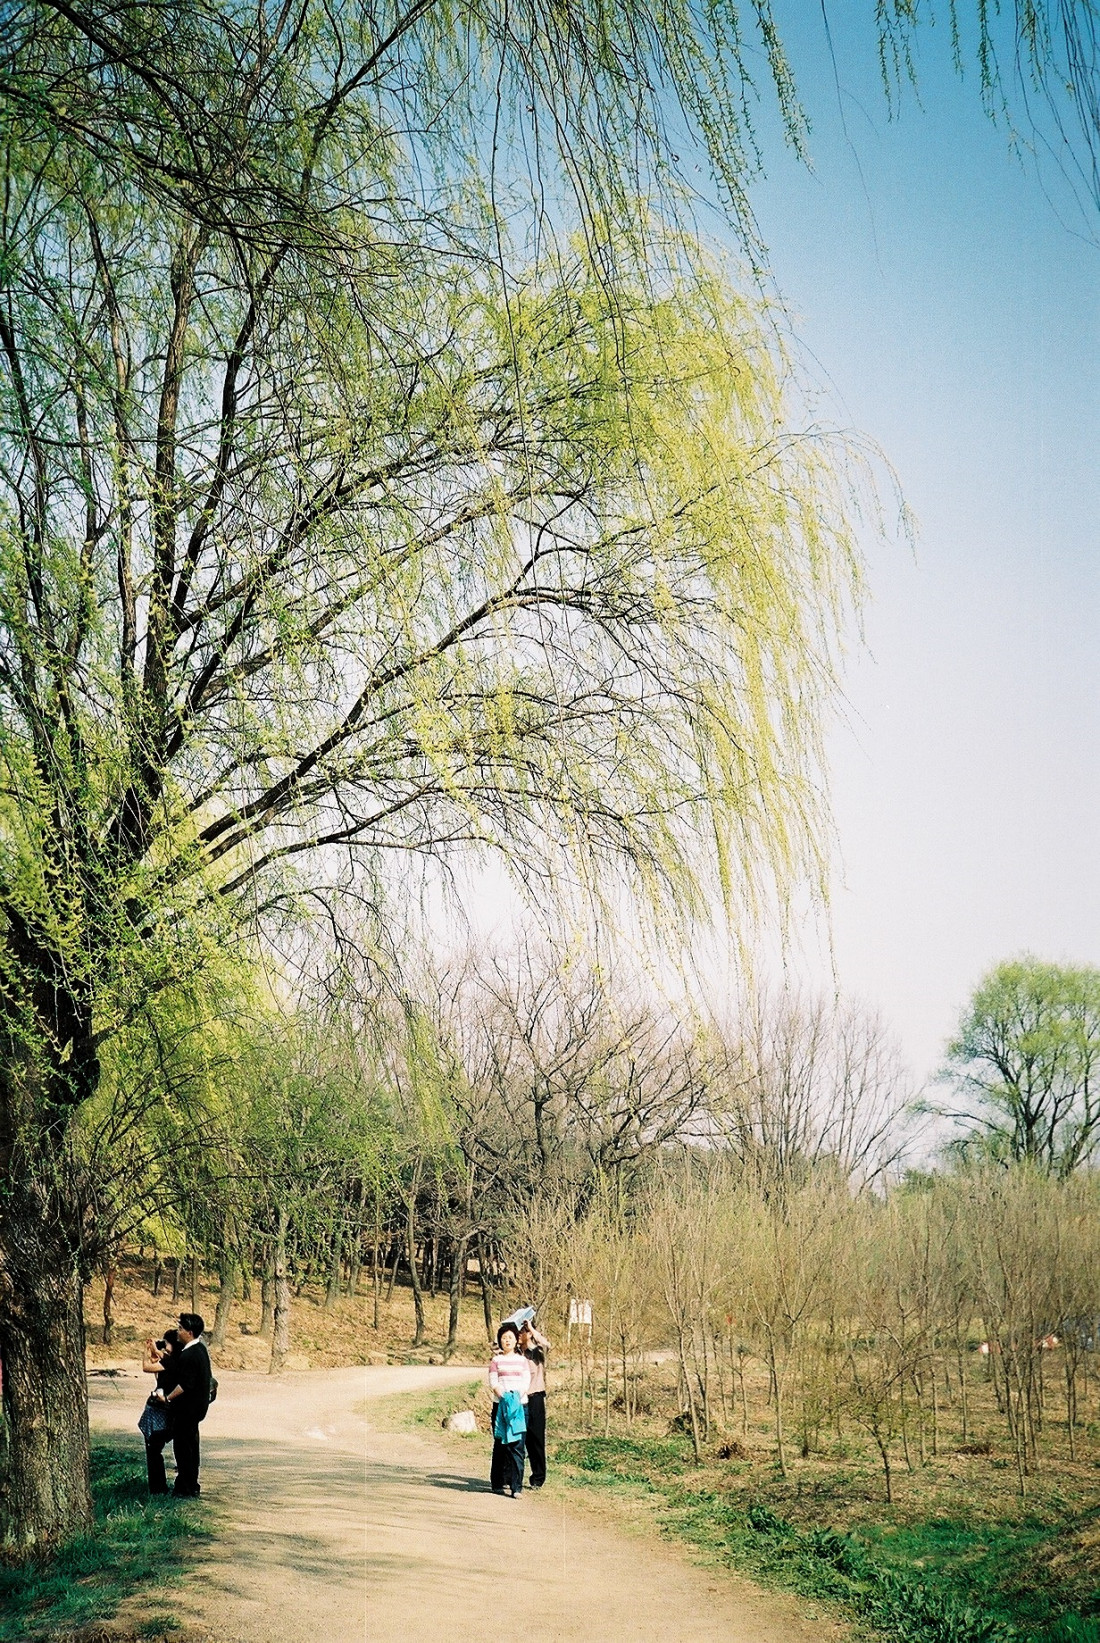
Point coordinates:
[[338, 1532]]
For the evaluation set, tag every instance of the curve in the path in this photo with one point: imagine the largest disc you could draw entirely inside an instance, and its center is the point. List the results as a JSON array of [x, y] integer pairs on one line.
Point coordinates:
[[337, 1532]]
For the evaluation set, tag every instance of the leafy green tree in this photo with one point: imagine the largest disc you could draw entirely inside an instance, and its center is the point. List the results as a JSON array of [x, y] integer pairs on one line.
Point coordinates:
[[303, 1126], [1026, 1063], [345, 516]]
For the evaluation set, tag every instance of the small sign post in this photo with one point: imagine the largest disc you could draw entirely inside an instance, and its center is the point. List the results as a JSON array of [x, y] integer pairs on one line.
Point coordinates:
[[580, 1313]]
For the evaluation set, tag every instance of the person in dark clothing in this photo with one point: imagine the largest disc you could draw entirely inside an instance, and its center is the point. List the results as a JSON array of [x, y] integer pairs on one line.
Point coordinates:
[[534, 1348], [188, 1402], [161, 1358]]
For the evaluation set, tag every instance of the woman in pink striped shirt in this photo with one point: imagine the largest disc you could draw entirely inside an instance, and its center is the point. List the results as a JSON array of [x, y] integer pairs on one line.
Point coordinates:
[[509, 1371]]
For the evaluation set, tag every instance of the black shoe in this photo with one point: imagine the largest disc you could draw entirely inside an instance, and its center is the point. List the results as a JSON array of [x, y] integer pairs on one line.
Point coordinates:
[[497, 1491], [534, 1486]]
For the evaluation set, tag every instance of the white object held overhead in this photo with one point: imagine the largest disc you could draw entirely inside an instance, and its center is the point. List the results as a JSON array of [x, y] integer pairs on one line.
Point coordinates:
[[522, 1315]]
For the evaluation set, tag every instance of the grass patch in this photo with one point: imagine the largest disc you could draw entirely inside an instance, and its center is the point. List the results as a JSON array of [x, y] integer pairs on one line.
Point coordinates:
[[424, 1409], [1009, 1567], [961, 1579], [135, 1543]]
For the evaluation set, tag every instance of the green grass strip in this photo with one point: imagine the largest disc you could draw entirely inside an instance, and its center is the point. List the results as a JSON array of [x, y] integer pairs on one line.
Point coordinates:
[[135, 1543], [906, 1609], [940, 1605]]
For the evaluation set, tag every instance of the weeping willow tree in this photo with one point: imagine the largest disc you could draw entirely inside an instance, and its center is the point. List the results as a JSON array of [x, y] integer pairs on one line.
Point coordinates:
[[1037, 65], [377, 476]]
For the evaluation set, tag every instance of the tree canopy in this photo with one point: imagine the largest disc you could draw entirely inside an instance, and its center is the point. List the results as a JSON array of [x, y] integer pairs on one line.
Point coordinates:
[[1026, 1062], [372, 485]]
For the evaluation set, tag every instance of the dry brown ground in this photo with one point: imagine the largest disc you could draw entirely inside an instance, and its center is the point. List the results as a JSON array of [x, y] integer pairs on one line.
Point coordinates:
[[840, 1475], [321, 1338]]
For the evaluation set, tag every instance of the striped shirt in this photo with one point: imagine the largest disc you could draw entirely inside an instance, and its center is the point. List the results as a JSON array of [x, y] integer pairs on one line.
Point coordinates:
[[509, 1372]]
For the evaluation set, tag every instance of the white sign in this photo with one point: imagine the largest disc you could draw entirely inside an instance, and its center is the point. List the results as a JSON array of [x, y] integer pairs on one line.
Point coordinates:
[[580, 1312]]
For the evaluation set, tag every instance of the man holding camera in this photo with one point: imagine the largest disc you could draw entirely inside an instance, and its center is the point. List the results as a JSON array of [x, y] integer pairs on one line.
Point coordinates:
[[187, 1402]]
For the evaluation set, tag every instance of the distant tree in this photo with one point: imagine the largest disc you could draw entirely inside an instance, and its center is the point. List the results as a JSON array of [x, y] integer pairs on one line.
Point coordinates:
[[811, 1083], [1025, 1066], [566, 1078]]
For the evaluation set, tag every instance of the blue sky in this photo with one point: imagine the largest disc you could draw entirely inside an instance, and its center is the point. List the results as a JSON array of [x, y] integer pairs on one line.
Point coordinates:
[[948, 299]]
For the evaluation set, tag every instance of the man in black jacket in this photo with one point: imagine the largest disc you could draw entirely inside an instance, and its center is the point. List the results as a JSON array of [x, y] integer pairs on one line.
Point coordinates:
[[188, 1402]]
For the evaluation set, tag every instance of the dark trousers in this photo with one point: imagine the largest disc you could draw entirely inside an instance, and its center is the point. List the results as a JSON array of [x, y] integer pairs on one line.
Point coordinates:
[[154, 1461], [185, 1447], [506, 1471], [536, 1438]]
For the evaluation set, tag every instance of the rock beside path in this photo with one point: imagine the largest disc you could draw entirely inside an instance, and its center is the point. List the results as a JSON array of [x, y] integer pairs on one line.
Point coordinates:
[[464, 1420]]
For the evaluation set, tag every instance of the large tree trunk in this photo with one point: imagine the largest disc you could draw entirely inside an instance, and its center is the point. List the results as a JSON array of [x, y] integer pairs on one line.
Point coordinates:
[[44, 1494], [44, 1490]]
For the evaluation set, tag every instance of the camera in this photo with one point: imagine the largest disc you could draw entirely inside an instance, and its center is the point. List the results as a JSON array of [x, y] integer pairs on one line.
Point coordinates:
[[161, 1346]]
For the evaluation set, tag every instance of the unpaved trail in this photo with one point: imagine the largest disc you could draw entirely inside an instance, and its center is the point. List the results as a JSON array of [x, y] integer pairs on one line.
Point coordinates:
[[334, 1531]]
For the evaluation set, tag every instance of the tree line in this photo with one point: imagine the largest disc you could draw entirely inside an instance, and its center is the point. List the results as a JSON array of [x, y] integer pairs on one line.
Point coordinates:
[[539, 1133], [870, 1313], [415, 1141], [738, 1193]]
